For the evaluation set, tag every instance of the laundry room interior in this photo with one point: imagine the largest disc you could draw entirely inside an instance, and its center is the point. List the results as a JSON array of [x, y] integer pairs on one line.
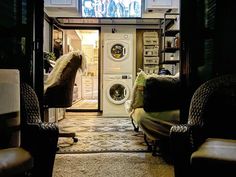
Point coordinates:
[[117, 88], [116, 50]]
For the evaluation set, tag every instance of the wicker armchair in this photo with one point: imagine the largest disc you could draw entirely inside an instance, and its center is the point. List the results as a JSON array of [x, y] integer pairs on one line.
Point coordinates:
[[210, 116], [14, 160], [38, 137]]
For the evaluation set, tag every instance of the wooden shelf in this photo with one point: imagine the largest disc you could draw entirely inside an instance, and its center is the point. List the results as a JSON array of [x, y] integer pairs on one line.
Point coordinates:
[[171, 32], [169, 22], [170, 50], [170, 62]]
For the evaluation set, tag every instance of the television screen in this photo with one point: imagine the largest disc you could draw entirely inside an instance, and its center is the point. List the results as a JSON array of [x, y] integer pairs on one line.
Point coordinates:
[[111, 8]]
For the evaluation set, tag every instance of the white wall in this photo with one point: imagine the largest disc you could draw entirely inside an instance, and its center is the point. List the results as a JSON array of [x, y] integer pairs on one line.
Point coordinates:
[[46, 36]]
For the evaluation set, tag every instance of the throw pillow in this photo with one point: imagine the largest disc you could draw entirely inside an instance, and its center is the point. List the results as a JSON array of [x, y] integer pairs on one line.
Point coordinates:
[[161, 93], [137, 93]]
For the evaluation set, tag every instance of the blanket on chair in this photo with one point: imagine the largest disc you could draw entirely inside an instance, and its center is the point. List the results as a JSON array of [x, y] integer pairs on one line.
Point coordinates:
[[60, 64]]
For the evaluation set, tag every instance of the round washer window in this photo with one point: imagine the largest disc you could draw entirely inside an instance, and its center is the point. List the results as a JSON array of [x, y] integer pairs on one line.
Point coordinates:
[[118, 51], [118, 93]]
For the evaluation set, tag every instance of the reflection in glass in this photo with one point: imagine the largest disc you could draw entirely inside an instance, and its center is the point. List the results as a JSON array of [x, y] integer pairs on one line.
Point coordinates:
[[118, 92], [57, 42], [118, 51]]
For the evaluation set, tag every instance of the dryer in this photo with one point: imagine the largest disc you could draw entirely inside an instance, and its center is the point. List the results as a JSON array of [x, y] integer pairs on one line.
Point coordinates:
[[116, 90], [118, 53]]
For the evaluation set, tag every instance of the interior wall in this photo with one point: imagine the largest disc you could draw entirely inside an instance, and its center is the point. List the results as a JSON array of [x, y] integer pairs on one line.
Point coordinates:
[[46, 36]]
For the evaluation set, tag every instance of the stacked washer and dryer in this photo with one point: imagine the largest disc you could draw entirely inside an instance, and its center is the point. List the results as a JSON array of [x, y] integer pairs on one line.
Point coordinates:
[[117, 73]]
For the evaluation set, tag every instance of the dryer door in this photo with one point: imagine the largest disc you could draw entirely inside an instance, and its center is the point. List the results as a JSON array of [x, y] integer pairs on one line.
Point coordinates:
[[118, 50], [117, 92]]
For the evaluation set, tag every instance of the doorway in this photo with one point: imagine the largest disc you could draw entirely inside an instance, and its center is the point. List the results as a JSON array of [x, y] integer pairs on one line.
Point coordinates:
[[86, 89]]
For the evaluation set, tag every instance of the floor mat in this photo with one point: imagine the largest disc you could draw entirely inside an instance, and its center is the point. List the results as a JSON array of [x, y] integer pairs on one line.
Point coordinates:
[[111, 165], [98, 134]]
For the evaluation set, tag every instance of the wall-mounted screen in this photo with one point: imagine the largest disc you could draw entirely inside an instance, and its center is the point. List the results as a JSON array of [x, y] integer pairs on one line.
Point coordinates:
[[111, 8]]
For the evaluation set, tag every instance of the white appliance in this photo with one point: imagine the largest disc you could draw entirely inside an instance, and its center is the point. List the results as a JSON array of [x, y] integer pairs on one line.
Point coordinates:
[[116, 90], [66, 5], [160, 5], [118, 53]]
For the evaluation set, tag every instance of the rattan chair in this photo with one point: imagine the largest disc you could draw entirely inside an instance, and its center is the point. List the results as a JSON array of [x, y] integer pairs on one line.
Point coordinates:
[[211, 115], [37, 137]]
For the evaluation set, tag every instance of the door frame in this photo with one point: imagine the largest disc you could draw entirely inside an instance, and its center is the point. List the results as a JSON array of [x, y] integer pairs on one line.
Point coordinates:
[[99, 65]]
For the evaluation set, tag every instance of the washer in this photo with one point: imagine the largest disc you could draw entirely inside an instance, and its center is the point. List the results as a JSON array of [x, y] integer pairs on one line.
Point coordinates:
[[117, 89], [118, 53]]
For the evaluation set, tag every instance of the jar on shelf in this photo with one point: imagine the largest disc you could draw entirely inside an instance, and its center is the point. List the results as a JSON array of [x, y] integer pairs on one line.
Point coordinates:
[[177, 42], [168, 44]]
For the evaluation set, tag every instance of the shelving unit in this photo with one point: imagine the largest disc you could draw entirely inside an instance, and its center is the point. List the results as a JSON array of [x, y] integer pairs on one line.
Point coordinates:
[[170, 42], [151, 52], [89, 89]]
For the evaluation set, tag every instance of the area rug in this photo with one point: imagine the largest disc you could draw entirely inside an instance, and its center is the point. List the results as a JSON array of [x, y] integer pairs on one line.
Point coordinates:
[[111, 165], [98, 134]]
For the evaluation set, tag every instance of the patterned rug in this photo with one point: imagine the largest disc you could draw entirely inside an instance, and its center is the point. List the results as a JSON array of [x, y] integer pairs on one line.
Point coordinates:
[[98, 134]]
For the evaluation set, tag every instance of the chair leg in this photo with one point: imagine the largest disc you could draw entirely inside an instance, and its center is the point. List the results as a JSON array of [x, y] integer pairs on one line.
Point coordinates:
[[71, 134], [136, 129], [152, 147], [67, 134], [46, 114], [155, 152], [149, 147]]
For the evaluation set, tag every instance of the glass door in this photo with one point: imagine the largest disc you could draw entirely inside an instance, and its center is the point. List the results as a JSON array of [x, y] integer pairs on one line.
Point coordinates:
[[86, 89]]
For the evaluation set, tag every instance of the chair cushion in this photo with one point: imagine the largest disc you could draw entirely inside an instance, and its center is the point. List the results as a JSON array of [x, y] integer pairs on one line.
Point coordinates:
[[14, 161], [10, 106], [216, 157], [155, 124]]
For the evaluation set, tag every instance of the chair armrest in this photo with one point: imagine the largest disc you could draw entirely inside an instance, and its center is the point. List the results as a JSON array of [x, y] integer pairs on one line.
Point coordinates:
[[180, 137], [47, 128], [40, 139], [181, 147], [45, 136]]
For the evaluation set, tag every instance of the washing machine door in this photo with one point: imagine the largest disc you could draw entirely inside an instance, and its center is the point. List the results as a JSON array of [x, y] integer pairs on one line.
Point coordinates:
[[117, 92], [118, 50]]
